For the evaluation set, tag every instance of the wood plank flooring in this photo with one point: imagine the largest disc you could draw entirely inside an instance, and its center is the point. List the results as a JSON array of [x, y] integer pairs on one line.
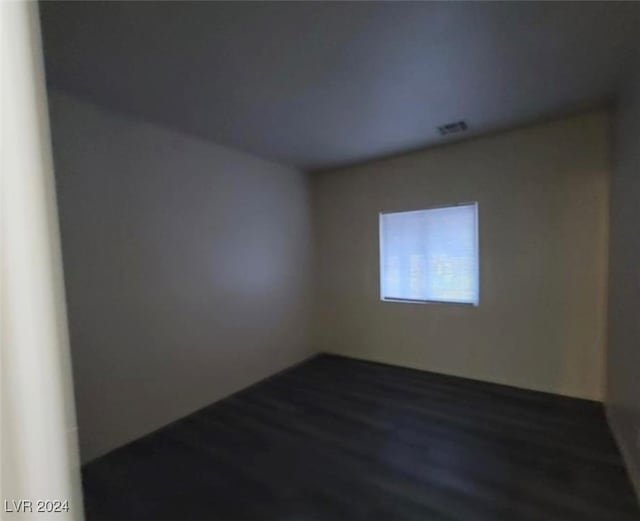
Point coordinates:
[[341, 439]]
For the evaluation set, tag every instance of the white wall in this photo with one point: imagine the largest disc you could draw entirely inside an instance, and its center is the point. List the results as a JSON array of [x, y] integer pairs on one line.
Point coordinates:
[[39, 441], [543, 210], [623, 356], [186, 265]]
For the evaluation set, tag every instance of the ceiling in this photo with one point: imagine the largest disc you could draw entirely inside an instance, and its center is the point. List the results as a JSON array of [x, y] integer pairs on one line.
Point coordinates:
[[320, 84]]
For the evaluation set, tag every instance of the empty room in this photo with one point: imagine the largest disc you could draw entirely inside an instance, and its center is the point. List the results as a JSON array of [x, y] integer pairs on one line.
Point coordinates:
[[320, 260]]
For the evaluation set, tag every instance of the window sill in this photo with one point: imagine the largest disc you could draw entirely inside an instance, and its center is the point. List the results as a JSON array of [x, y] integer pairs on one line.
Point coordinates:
[[412, 301]]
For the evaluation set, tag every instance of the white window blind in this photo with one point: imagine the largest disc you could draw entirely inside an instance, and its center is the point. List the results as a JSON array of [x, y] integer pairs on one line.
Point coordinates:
[[430, 255]]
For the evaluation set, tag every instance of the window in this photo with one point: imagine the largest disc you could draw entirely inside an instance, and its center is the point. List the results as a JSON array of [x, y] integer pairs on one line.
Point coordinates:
[[430, 255]]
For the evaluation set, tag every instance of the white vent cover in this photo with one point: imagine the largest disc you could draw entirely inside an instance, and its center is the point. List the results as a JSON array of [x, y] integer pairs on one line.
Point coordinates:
[[452, 128]]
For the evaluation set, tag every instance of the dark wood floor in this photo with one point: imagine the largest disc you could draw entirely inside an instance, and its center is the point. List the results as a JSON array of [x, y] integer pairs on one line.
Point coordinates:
[[337, 438]]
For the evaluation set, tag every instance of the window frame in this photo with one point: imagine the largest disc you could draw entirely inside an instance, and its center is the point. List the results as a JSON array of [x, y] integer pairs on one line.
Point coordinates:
[[398, 300]]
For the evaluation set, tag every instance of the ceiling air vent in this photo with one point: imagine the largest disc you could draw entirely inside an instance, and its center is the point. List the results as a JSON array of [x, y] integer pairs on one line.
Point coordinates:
[[452, 128]]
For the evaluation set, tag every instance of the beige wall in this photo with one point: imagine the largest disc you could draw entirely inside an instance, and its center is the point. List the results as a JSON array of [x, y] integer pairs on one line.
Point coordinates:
[[186, 268], [623, 355], [543, 194]]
